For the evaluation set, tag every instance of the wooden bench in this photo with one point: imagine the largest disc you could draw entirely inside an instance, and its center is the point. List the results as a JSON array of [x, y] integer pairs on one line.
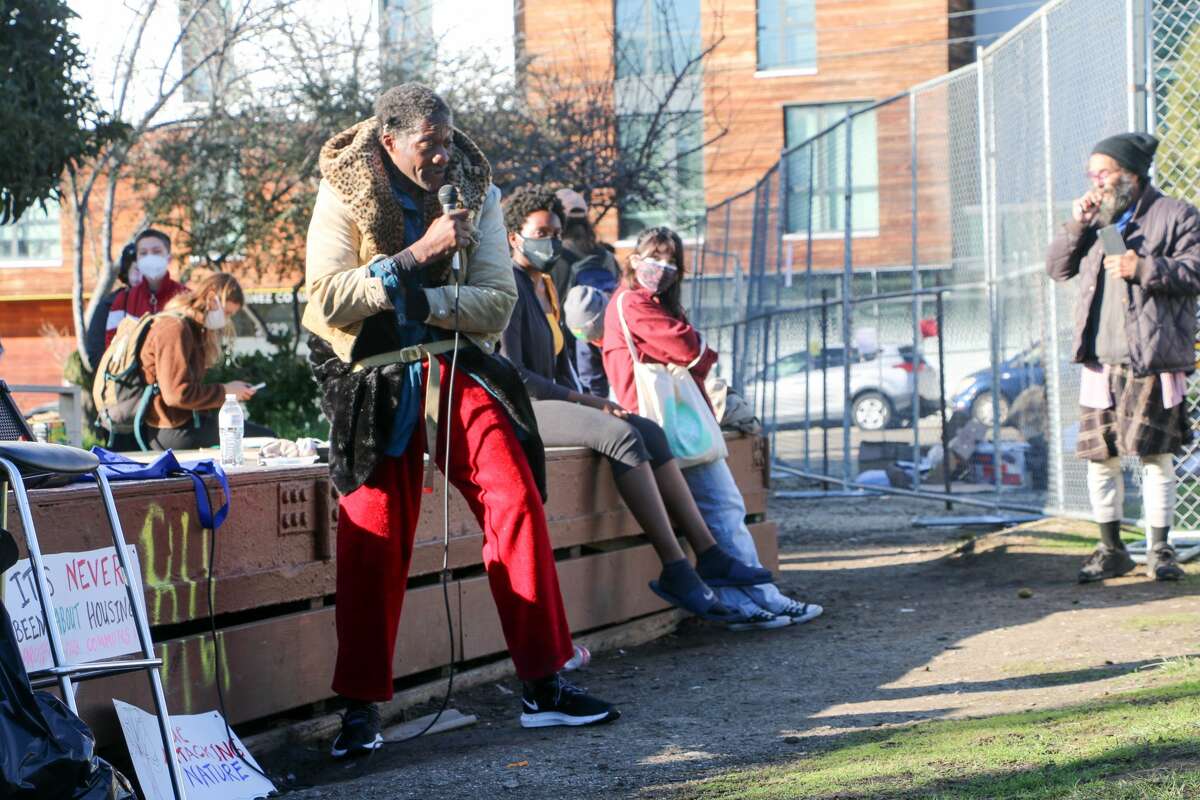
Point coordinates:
[[275, 577]]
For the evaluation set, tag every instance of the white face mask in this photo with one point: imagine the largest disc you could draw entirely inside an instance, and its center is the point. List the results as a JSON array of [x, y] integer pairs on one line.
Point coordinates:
[[152, 266], [215, 319], [135, 275]]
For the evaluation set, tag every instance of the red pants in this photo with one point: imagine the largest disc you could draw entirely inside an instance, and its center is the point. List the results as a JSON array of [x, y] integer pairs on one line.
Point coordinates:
[[377, 523]]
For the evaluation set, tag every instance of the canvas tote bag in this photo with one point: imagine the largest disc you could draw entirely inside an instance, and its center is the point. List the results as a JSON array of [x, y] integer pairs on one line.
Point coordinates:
[[667, 394]]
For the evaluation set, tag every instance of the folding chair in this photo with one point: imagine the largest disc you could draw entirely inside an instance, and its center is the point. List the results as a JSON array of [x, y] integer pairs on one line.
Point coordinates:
[[21, 460]]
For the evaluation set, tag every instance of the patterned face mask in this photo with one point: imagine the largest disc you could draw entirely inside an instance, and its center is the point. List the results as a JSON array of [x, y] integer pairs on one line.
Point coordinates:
[[654, 275]]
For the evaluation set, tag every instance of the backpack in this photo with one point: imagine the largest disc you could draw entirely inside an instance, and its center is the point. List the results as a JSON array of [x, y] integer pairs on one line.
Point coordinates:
[[594, 271], [120, 390]]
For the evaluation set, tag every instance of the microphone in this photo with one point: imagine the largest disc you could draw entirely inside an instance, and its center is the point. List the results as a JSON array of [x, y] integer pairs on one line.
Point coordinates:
[[448, 197]]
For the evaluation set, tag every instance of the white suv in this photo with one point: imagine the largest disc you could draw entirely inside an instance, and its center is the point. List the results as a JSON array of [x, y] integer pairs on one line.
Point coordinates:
[[880, 386]]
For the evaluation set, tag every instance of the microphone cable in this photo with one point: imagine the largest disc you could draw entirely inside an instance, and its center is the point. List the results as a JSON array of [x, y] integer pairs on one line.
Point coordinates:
[[445, 518]]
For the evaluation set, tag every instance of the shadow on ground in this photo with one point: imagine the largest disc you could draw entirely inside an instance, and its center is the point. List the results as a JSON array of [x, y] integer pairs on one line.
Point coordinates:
[[913, 631]]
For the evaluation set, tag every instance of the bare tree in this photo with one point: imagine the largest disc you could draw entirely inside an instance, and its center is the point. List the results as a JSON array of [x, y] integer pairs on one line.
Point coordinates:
[[208, 33], [237, 183]]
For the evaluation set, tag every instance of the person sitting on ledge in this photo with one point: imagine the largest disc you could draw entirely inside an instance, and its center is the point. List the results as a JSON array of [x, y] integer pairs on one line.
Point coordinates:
[[654, 322], [646, 473]]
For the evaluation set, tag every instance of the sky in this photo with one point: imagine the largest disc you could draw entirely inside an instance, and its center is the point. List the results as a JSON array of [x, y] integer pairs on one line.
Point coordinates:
[[999, 21]]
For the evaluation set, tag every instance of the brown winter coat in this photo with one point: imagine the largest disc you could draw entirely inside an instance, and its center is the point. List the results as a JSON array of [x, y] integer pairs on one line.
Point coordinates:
[[1160, 299], [173, 357]]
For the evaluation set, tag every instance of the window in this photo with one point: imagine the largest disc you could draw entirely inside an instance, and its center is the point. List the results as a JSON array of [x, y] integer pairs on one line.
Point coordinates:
[[787, 34], [409, 43], [678, 151], [205, 26], [656, 37], [34, 240], [829, 169]]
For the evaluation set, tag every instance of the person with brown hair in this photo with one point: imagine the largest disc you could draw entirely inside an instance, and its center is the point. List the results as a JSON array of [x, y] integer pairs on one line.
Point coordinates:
[[646, 311], [184, 341]]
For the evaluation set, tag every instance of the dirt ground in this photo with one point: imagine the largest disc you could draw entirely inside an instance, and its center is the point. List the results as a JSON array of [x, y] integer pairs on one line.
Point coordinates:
[[920, 623]]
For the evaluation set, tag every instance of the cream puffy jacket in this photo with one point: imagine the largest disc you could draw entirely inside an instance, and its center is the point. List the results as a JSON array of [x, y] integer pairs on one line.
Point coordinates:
[[342, 293]]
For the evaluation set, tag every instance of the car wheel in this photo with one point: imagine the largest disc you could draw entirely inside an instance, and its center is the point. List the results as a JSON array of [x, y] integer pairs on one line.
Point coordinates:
[[981, 408], [871, 411]]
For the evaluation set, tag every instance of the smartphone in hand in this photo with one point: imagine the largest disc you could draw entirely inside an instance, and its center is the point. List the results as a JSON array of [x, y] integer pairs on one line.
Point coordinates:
[[1112, 240]]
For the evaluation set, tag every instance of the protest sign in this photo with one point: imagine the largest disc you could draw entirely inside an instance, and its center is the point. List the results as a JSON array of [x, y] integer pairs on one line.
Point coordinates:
[[94, 617], [213, 765]]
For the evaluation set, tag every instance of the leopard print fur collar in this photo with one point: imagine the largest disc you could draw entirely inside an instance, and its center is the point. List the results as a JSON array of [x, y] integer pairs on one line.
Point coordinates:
[[352, 163]]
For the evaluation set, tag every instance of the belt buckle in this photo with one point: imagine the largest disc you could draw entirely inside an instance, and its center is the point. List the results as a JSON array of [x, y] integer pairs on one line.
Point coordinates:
[[412, 353]]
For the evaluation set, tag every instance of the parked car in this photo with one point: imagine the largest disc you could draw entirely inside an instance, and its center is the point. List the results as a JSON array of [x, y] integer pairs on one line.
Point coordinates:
[[881, 386], [973, 395]]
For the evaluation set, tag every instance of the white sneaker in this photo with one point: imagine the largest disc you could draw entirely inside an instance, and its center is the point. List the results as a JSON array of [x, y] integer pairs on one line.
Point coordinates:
[[761, 621], [800, 613], [581, 659]]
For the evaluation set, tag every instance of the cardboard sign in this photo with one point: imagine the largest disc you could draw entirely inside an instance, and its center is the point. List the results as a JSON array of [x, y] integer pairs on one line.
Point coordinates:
[[214, 766], [95, 620]]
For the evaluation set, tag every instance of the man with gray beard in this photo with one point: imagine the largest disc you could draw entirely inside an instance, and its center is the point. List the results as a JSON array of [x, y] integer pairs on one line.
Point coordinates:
[[1135, 329]]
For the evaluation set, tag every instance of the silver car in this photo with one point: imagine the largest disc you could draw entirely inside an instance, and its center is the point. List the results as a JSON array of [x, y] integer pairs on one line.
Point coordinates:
[[880, 387]]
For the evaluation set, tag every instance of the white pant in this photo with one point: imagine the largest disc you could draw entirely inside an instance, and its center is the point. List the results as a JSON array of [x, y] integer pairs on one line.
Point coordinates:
[[1106, 488]]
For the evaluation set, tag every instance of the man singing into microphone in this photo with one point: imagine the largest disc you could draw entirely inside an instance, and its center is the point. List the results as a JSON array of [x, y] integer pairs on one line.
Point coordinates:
[[383, 305]]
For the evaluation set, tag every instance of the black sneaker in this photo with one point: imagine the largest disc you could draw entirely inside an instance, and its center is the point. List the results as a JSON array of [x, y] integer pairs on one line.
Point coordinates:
[[360, 731], [557, 701], [1106, 562], [1162, 564]]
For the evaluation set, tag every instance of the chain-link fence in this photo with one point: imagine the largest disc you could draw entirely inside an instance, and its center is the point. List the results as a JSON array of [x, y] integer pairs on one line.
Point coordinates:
[[880, 295]]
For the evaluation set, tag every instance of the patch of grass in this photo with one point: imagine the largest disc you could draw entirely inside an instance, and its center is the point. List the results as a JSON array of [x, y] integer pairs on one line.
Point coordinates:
[[1112, 750], [1181, 667], [1149, 622], [1076, 540], [1170, 786]]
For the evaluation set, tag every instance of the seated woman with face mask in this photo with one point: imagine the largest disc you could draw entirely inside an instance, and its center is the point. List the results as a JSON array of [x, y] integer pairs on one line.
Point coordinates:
[[647, 312], [646, 473], [180, 347]]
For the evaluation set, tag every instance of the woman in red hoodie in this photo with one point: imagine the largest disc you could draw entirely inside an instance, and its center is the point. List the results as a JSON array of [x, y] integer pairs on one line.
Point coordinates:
[[649, 296]]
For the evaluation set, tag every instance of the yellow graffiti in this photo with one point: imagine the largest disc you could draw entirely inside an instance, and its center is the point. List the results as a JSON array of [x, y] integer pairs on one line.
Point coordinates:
[[187, 670]]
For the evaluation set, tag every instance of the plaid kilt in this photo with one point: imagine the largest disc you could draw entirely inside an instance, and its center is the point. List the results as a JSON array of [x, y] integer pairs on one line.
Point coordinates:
[[1137, 425]]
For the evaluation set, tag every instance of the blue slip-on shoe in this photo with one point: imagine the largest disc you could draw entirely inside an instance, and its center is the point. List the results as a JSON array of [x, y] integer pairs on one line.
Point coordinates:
[[718, 568], [701, 601]]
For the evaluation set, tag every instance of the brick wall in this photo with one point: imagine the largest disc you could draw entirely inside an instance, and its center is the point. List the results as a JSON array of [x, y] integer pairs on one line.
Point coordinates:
[[750, 105]]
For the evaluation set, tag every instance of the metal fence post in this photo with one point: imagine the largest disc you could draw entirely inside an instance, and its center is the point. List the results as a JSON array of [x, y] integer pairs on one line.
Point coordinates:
[[986, 201], [785, 184], [916, 302], [824, 382], [941, 337], [1151, 87], [808, 298], [1050, 355], [1130, 68], [847, 267]]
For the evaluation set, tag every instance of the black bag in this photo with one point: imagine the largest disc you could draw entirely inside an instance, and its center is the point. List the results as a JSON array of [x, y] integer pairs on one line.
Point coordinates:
[[45, 750]]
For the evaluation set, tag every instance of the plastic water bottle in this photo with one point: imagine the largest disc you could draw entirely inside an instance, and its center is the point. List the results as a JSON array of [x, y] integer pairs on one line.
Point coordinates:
[[232, 424]]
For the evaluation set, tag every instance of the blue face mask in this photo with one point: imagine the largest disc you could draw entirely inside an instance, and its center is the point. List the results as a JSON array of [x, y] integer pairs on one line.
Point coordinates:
[[542, 253]]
